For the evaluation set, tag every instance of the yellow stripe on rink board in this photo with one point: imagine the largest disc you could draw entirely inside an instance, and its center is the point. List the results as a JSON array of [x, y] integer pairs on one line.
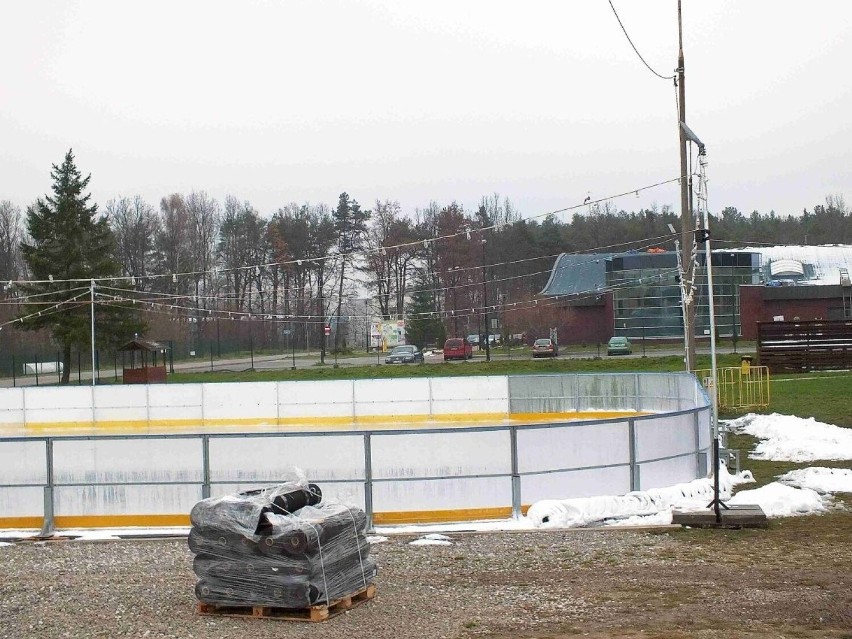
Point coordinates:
[[440, 516], [161, 521], [21, 523], [307, 424], [120, 521]]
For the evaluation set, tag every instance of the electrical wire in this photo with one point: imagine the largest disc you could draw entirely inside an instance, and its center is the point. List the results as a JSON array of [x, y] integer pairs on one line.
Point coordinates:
[[627, 35], [426, 242]]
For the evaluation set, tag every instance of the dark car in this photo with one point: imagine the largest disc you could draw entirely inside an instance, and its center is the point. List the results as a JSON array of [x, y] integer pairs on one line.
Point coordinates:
[[457, 348], [545, 347], [408, 354], [619, 346]]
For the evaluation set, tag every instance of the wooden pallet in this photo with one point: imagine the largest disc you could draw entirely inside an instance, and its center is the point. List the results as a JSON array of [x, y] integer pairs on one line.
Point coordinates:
[[319, 612]]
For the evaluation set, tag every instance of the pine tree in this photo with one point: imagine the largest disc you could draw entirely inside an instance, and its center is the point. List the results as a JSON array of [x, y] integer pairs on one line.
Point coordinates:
[[423, 326], [69, 245], [350, 224]]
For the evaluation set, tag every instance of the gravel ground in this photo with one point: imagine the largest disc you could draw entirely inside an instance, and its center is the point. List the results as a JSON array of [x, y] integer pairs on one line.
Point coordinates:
[[662, 583]]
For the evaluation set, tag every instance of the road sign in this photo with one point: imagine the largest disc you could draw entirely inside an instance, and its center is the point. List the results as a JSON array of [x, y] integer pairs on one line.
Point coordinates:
[[327, 329]]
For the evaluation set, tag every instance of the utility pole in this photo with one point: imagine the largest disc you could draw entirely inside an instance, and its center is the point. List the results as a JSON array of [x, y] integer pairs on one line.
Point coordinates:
[[92, 301], [485, 304], [686, 218]]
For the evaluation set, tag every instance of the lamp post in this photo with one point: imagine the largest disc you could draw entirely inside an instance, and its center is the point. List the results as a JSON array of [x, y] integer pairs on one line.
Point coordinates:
[[454, 272], [485, 303]]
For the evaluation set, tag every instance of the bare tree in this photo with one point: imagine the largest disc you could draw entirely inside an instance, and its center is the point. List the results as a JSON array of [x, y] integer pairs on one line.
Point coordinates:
[[11, 235], [172, 243], [389, 264], [202, 229], [136, 226]]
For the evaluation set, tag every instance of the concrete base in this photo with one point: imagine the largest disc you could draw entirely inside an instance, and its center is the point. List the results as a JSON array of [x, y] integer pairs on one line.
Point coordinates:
[[745, 516]]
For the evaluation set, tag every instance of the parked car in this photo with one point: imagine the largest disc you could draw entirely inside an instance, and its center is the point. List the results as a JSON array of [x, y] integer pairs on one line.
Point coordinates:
[[457, 348], [407, 354], [545, 347], [619, 346], [473, 339]]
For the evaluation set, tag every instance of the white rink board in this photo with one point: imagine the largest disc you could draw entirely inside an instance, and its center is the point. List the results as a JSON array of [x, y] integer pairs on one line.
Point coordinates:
[[664, 436], [573, 446], [442, 494], [331, 398], [25, 501], [23, 462], [441, 454], [56, 405], [241, 459], [121, 403], [126, 500], [257, 400], [175, 402], [576, 483], [425, 468], [392, 397], [127, 460], [11, 405], [453, 395], [705, 437], [667, 472]]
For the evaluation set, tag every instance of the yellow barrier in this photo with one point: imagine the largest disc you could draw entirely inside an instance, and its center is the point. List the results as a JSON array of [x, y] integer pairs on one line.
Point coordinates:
[[740, 386]]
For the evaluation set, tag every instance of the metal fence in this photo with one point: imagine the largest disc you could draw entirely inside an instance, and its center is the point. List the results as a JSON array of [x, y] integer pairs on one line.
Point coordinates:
[[475, 472]]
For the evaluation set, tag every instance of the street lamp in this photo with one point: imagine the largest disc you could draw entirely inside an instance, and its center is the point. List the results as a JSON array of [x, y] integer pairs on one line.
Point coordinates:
[[485, 303], [454, 272]]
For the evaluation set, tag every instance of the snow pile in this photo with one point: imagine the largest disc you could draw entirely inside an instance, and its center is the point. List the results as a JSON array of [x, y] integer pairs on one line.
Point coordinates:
[[5, 543], [432, 540], [790, 438], [778, 500], [567, 513], [376, 539], [822, 480]]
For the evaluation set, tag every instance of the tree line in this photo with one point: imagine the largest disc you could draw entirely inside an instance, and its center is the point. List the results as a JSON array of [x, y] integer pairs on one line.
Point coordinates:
[[305, 260]]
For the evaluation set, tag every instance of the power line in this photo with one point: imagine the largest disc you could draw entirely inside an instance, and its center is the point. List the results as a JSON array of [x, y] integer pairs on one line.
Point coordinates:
[[663, 77], [426, 242]]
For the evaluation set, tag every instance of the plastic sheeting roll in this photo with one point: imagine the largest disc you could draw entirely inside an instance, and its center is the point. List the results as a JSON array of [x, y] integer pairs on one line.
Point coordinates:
[[251, 549]]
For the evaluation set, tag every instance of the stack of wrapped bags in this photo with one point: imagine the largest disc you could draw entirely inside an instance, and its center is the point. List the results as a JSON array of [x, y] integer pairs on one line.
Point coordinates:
[[280, 546]]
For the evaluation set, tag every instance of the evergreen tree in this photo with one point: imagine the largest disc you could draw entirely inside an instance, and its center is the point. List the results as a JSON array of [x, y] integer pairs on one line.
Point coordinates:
[[350, 224], [423, 326], [68, 245]]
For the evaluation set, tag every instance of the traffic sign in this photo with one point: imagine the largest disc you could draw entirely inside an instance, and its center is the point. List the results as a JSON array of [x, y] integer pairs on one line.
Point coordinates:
[[327, 329]]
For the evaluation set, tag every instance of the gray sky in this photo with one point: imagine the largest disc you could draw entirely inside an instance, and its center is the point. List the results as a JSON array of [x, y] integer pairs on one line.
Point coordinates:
[[543, 102]]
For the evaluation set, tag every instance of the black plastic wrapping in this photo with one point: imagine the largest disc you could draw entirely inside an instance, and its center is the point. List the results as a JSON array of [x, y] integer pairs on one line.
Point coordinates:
[[251, 550]]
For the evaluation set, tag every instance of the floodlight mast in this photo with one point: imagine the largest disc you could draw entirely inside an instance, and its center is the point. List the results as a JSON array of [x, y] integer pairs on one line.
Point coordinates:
[[687, 224]]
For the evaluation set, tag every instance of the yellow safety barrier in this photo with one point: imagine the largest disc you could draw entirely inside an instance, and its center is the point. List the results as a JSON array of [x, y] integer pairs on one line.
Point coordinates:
[[743, 386]]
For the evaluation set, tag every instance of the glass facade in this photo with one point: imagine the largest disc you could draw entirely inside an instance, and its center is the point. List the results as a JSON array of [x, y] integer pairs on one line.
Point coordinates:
[[646, 293]]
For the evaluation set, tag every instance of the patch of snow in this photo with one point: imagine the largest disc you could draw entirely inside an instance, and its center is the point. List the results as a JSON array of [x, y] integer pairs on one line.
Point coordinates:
[[822, 480], [430, 542], [5, 543], [778, 500], [95, 535], [795, 439], [468, 526], [436, 537], [662, 518], [376, 539]]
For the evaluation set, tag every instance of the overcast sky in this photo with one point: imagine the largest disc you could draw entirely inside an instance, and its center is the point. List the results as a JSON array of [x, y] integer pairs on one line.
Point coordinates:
[[542, 102]]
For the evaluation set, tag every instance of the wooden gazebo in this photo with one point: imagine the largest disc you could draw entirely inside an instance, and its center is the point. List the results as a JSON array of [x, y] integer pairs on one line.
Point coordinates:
[[145, 365]]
